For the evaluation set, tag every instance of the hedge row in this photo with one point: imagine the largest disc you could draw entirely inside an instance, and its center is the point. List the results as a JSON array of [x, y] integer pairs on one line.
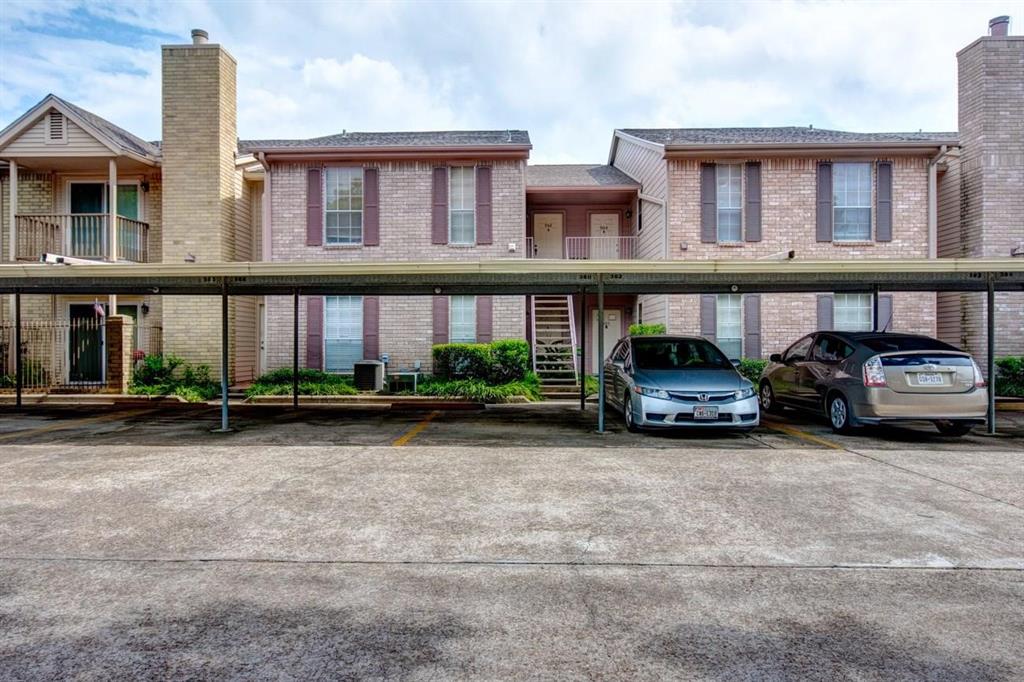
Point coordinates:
[[499, 362]]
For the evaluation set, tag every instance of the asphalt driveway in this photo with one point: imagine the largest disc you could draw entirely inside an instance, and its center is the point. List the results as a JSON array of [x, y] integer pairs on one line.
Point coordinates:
[[635, 558]]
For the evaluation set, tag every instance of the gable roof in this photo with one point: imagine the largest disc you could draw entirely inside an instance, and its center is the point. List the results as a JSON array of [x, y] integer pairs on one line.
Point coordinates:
[[786, 135], [117, 139], [577, 175], [416, 140]]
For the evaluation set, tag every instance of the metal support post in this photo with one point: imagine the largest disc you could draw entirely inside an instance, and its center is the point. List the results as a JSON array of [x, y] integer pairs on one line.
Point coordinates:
[[295, 348], [600, 353], [991, 357]]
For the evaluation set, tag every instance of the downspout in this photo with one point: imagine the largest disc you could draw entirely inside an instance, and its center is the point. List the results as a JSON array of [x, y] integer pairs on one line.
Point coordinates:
[[933, 202], [266, 251]]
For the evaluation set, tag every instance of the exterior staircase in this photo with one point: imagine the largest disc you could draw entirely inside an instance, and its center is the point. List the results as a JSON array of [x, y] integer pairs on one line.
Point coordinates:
[[555, 346]]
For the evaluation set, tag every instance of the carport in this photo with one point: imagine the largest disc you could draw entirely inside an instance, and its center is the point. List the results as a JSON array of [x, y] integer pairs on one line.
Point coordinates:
[[511, 277]]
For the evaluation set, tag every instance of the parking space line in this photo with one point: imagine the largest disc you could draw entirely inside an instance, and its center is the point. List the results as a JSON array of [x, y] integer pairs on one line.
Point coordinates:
[[61, 424], [802, 435], [417, 428]]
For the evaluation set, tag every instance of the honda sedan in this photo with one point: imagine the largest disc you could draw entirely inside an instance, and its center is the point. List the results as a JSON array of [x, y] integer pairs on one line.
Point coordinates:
[[677, 381], [858, 378]]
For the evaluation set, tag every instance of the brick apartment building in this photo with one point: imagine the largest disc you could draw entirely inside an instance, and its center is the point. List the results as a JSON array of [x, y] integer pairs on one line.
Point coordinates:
[[202, 195]]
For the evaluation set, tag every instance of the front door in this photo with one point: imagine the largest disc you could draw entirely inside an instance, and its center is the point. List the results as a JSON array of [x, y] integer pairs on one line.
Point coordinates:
[[85, 344], [612, 333], [604, 236], [261, 331], [87, 235], [547, 235]]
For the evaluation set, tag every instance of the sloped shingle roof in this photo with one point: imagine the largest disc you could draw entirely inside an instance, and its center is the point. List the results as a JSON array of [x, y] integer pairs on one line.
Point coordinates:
[[114, 132], [782, 135], [440, 138], [577, 175]]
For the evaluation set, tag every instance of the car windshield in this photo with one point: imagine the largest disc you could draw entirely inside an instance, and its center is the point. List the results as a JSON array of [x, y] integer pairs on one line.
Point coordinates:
[[677, 354], [900, 344]]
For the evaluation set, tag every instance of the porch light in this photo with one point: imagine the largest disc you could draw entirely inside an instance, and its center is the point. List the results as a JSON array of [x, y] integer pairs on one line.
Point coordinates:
[[145, 309], [144, 186]]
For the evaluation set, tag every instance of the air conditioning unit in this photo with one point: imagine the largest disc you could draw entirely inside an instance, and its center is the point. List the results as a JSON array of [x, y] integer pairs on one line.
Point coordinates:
[[368, 375]]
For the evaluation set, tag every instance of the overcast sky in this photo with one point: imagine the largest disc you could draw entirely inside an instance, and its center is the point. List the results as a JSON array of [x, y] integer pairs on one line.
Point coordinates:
[[567, 72]]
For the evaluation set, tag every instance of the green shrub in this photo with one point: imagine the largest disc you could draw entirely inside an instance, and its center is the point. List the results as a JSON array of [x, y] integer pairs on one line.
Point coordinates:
[[462, 360], [646, 329], [311, 382], [480, 391], [751, 368], [1010, 377], [159, 375], [510, 361]]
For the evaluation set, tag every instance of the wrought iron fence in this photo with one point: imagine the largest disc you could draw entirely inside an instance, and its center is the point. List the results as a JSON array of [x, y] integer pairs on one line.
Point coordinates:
[[66, 355]]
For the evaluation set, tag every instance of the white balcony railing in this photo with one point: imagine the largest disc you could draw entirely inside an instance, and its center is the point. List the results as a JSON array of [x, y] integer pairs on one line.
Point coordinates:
[[82, 235], [592, 248]]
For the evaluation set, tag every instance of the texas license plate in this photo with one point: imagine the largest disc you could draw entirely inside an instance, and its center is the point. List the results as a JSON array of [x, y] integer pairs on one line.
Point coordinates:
[[705, 412], [929, 379]]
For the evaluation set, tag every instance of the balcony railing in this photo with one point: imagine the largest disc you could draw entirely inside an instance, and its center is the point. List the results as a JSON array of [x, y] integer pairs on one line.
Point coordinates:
[[591, 248], [81, 235]]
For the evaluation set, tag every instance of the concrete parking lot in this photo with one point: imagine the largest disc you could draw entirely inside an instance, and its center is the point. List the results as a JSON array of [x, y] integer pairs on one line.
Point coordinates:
[[508, 542]]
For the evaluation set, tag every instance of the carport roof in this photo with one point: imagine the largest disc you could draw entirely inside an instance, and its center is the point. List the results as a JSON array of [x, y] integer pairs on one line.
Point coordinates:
[[516, 276]]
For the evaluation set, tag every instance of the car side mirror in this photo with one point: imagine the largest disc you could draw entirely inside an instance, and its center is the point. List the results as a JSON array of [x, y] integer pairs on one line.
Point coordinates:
[[735, 362], [619, 363], [775, 357]]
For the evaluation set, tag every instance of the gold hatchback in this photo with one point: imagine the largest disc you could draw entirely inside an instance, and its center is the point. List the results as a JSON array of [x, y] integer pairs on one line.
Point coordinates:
[[858, 378]]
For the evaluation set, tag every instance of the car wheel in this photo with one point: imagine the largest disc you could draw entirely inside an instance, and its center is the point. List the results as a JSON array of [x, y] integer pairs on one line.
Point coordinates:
[[627, 414], [956, 429], [839, 413], [767, 397]]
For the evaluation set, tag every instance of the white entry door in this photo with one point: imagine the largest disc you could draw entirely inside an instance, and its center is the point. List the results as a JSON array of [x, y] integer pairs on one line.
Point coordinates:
[[612, 333], [604, 236], [547, 235]]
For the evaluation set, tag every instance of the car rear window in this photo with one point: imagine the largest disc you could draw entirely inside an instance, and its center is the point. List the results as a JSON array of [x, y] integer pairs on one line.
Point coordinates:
[[900, 344]]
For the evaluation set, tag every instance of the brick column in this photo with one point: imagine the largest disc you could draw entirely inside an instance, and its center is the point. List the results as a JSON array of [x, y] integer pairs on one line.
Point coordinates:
[[120, 331]]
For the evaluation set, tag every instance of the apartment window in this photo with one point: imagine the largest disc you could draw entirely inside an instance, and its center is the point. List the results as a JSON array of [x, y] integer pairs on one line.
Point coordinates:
[[462, 205], [851, 201], [852, 312], [729, 324], [343, 210], [729, 195], [462, 319], [343, 332]]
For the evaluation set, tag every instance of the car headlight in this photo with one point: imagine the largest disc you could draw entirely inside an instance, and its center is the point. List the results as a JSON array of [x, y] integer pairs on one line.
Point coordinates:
[[743, 393], [653, 392]]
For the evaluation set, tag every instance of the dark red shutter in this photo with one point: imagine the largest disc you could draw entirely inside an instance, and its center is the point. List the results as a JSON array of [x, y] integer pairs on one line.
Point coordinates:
[[483, 205], [708, 204], [883, 199], [825, 314], [484, 319], [752, 326], [823, 219], [315, 332], [440, 319], [371, 327], [371, 207], [439, 207], [752, 217], [314, 208], [708, 316]]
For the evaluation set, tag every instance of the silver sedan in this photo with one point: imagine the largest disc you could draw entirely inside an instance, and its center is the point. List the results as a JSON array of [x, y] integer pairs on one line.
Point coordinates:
[[677, 381]]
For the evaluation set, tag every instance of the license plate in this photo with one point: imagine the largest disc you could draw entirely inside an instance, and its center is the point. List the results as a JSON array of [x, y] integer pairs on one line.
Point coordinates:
[[929, 379], [705, 412]]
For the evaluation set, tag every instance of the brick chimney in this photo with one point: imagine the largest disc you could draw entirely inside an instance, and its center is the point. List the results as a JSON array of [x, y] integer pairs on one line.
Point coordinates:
[[200, 183], [991, 166]]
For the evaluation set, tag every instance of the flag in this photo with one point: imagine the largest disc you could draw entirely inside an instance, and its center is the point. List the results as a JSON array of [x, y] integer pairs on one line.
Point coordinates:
[[98, 307]]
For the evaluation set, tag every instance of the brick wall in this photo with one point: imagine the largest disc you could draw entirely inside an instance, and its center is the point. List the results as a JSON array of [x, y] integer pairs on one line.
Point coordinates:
[[201, 188]]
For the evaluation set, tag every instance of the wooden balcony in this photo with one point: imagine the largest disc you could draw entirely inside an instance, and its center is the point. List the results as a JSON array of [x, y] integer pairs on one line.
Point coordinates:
[[81, 235]]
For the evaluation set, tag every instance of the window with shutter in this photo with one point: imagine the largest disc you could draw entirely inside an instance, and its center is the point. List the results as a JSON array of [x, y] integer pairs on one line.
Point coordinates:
[[343, 206], [343, 332], [729, 195], [853, 312], [851, 202], [729, 325], [462, 205], [56, 128], [462, 319]]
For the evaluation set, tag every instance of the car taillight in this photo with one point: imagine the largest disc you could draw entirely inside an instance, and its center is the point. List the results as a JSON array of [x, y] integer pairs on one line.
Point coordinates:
[[979, 379], [874, 374]]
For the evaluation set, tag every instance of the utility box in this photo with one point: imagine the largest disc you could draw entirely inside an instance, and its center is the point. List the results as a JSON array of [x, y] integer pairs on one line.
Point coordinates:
[[368, 375]]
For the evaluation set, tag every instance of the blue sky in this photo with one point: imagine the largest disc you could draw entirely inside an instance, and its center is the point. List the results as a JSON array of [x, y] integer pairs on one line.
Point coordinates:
[[567, 72]]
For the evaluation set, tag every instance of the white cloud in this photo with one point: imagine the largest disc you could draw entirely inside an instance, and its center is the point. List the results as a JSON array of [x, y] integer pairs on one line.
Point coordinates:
[[567, 72]]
